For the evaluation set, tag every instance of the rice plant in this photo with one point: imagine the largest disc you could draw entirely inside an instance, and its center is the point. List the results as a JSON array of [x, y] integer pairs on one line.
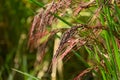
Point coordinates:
[[71, 40]]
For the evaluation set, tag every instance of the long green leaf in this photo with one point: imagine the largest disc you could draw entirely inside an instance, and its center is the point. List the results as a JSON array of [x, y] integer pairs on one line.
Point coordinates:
[[26, 74], [40, 4]]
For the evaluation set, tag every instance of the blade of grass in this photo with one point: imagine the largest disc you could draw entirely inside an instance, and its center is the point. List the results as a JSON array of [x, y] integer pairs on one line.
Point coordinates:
[[103, 75], [26, 74], [96, 54], [110, 40], [117, 12], [110, 63], [116, 51], [80, 58], [69, 24], [25, 67], [40, 4]]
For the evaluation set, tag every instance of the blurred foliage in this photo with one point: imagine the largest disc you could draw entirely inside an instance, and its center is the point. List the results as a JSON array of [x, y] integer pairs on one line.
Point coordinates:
[[16, 18]]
